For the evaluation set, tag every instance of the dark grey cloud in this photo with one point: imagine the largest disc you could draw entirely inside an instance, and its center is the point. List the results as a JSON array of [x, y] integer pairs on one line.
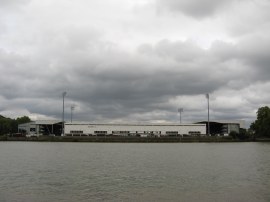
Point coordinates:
[[114, 84], [255, 52], [193, 8]]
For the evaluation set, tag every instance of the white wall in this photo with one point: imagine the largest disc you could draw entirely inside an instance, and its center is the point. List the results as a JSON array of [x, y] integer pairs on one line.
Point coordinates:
[[27, 127], [83, 128]]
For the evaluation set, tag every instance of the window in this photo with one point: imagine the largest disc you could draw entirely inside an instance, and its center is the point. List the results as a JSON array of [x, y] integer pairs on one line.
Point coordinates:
[[120, 132], [100, 132], [172, 132], [76, 131], [194, 132]]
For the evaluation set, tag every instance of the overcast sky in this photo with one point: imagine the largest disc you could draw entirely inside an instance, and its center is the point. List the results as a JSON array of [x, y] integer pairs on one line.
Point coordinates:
[[134, 60]]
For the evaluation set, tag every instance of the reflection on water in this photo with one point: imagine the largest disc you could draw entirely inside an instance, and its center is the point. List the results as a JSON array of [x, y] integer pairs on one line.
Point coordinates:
[[32, 171]]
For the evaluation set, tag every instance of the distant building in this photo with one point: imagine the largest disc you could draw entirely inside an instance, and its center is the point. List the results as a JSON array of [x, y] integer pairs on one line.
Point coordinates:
[[143, 130], [42, 127], [54, 127], [224, 127]]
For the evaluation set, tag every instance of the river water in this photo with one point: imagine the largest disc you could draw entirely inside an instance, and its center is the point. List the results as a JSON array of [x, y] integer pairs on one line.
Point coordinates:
[[37, 171]]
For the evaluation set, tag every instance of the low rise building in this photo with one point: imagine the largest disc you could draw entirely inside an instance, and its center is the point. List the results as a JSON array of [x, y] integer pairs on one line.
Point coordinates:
[[41, 127], [223, 127], [98, 129]]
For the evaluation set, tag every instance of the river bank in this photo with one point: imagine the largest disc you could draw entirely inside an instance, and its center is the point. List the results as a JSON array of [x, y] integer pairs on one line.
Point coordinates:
[[127, 139]]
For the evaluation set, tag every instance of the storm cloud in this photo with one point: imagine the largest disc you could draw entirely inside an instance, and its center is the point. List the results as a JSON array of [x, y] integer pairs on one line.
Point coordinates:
[[124, 61]]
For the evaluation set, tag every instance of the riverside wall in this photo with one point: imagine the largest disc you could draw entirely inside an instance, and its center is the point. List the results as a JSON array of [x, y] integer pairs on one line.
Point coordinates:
[[120, 139]]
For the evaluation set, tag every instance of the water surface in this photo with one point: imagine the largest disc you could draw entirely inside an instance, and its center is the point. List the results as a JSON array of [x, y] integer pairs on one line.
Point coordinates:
[[37, 171]]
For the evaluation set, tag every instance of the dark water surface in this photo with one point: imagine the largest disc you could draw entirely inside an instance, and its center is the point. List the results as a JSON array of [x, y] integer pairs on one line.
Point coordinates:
[[33, 171]]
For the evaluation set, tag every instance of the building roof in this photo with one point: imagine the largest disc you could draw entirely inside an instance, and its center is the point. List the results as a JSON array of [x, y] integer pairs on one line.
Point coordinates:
[[47, 122], [135, 124], [240, 122], [41, 122]]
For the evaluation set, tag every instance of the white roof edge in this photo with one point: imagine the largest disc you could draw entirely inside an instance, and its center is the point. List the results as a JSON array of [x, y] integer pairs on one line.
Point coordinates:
[[146, 124], [48, 122]]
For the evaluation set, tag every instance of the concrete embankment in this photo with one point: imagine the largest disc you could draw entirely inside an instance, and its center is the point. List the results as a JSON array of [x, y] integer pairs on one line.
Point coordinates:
[[120, 139]]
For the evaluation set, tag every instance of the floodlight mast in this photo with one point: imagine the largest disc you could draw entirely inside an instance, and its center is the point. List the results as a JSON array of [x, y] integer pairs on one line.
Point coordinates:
[[207, 97], [180, 110], [72, 107], [63, 114]]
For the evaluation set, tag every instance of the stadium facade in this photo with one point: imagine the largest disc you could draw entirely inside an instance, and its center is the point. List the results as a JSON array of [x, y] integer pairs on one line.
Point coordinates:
[[94, 129], [54, 127]]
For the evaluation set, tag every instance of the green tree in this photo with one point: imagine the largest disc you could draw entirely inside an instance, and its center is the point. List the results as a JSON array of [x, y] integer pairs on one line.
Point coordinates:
[[8, 125], [261, 126], [24, 119]]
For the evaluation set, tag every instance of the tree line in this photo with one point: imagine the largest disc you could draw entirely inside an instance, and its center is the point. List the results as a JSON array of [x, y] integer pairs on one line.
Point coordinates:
[[8, 125], [261, 126]]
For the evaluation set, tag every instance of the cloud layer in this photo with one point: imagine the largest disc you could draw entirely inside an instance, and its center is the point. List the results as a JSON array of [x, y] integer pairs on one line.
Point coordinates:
[[134, 61]]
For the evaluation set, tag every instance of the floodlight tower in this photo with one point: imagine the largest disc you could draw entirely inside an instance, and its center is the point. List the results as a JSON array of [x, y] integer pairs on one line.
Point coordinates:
[[207, 97], [72, 107], [180, 110], [63, 114]]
